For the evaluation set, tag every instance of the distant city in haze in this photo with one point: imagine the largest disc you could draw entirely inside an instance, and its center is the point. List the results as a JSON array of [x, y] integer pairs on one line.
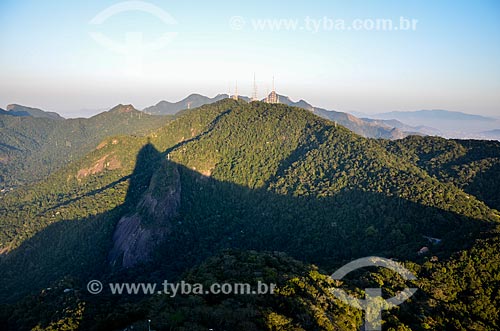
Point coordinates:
[[78, 58]]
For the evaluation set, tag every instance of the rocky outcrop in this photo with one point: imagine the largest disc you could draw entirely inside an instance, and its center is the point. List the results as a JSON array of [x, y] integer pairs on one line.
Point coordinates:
[[137, 235], [106, 162]]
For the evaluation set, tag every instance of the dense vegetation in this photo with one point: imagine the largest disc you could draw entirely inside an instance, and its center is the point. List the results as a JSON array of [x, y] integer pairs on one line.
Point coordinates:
[[31, 148], [471, 165], [259, 178]]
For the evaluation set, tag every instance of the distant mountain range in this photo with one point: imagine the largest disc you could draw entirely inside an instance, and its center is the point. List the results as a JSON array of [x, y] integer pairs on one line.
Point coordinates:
[[418, 130], [449, 124], [435, 114], [23, 111], [492, 132], [369, 128], [490, 135], [390, 125]]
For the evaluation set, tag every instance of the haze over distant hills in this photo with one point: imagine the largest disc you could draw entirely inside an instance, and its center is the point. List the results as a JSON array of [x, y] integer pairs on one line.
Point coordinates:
[[434, 114], [450, 124], [491, 134], [388, 125], [421, 129]]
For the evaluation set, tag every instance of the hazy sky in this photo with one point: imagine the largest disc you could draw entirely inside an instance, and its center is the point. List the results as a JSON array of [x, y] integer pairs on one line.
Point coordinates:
[[64, 56]]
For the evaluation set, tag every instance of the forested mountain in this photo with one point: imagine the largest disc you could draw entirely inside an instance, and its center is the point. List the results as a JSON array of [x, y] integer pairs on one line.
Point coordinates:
[[365, 127], [32, 147], [472, 165], [236, 191]]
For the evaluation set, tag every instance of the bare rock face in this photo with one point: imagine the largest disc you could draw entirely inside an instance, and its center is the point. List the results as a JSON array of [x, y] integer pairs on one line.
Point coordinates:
[[136, 236]]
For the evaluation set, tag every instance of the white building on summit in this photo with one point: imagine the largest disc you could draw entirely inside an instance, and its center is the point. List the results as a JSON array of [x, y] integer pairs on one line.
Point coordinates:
[[273, 97]]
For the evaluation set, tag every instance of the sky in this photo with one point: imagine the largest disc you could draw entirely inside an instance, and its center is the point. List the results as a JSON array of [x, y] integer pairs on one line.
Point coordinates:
[[81, 57]]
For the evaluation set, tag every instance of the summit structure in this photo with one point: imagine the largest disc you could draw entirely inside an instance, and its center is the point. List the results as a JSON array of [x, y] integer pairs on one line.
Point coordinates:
[[273, 97]]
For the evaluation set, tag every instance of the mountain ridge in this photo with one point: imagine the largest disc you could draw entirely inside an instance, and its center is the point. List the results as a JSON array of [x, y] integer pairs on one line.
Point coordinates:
[[360, 126], [31, 148], [24, 111]]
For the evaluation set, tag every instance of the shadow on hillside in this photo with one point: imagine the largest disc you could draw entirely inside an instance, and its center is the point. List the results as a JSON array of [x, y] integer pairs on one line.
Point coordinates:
[[484, 184], [88, 194], [485, 187], [215, 215]]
